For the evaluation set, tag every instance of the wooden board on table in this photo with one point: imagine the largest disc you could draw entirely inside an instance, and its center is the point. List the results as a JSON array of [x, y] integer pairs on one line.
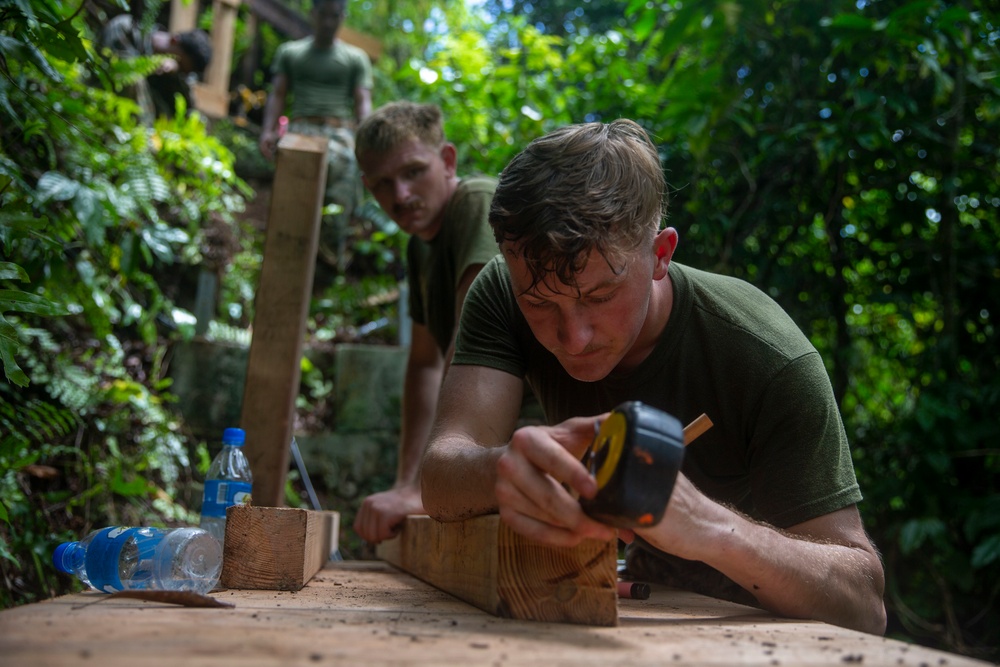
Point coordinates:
[[276, 548], [485, 563], [369, 613]]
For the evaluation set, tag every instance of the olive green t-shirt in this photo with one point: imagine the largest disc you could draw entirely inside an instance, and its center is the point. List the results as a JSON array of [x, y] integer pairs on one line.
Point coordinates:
[[777, 450], [434, 268], [322, 81]]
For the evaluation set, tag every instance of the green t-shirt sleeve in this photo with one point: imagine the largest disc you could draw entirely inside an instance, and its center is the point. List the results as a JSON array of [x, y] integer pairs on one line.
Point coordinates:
[[363, 71], [798, 454], [487, 332], [473, 240], [435, 268]]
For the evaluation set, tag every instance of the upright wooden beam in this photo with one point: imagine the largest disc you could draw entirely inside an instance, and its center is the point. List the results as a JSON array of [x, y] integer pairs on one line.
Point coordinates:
[[183, 15], [485, 563], [282, 305], [213, 96]]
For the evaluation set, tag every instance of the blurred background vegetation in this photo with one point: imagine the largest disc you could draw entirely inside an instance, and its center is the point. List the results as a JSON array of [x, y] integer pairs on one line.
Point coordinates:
[[843, 156]]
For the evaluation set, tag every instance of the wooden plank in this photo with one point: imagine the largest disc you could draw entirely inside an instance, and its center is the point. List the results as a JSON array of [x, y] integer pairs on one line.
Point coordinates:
[[183, 15], [223, 30], [276, 548], [485, 563], [282, 305], [369, 613], [213, 103]]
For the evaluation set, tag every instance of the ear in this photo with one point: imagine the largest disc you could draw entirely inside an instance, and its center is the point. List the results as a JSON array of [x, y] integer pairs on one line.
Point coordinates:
[[664, 245], [450, 157]]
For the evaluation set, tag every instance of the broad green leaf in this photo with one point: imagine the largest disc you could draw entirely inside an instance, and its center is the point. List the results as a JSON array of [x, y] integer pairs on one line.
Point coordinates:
[[10, 271], [56, 186], [917, 531], [986, 552], [9, 344], [137, 486], [16, 300]]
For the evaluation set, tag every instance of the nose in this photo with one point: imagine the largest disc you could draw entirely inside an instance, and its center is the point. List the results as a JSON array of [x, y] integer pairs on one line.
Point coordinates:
[[574, 331], [401, 190]]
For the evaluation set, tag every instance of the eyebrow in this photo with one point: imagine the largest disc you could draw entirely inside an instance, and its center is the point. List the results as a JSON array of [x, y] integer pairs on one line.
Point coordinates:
[[604, 284]]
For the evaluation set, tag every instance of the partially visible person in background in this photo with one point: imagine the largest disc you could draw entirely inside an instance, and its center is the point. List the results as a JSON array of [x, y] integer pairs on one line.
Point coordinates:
[[189, 54], [410, 168], [330, 83]]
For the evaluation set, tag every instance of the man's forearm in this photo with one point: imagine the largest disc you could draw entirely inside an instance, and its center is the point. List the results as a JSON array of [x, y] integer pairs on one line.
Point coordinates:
[[272, 110], [458, 479], [420, 392], [794, 576]]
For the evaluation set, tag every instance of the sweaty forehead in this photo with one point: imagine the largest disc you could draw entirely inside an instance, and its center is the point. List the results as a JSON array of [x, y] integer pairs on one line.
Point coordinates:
[[597, 274]]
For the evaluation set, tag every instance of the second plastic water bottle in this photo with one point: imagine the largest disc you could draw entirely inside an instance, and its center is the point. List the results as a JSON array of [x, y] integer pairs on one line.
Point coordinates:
[[126, 558], [228, 482]]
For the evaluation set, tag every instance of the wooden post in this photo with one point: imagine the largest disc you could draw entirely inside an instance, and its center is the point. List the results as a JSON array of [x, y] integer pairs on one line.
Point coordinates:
[[282, 305], [183, 15], [485, 563], [212, 98]]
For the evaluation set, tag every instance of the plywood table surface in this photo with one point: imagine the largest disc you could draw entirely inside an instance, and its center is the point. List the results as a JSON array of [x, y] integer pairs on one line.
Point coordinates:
[[370, 613]]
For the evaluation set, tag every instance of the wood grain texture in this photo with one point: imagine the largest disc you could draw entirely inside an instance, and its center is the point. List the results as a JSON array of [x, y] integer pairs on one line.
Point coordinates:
[[281, 307], [369, 613], [485, 563], [276, 548]]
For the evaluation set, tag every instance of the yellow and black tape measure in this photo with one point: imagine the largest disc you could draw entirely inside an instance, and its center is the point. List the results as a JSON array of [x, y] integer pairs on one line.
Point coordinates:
[[635, 457]]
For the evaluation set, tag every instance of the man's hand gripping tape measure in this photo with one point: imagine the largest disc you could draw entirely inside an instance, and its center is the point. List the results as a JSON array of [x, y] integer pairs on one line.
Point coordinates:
[[635, 458]]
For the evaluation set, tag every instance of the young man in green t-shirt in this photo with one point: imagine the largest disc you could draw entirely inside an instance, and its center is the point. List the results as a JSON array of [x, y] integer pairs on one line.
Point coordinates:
[[586, 304], [330, 83], [410, 169]]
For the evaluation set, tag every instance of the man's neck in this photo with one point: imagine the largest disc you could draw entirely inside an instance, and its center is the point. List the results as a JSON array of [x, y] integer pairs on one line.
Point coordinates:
[[323, 42]]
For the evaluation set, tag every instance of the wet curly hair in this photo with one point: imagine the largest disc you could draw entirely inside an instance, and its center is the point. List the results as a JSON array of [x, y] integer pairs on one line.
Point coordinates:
[[586, 187]]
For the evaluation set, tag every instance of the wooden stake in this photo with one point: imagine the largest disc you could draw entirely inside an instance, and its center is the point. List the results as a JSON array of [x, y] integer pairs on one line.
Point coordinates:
[[696, 428]]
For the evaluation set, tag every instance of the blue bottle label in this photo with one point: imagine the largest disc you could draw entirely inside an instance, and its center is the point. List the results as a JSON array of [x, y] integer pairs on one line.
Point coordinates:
[[105, 565], [220, 494]]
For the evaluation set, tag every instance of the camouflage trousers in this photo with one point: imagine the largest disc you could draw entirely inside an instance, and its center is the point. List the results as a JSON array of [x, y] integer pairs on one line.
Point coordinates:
[[343, 188]]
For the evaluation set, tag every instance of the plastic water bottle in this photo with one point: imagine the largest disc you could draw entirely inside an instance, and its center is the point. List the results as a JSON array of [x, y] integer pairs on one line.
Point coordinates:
[[126, 558], [228, 482]]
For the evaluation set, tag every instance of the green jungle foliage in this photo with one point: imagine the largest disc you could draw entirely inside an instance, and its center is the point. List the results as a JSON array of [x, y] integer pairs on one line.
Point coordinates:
[[843, 156], [99, 215]]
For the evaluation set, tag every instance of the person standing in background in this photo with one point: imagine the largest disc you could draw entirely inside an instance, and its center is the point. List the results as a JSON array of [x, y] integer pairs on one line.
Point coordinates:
[[330, 83]]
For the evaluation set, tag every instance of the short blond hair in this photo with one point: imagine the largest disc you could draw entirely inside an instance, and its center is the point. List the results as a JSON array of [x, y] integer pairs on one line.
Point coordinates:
[[396, 123]]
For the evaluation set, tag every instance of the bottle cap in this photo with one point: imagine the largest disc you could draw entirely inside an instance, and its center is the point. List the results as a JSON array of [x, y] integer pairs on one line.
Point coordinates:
[[57, 556], [234, 436]]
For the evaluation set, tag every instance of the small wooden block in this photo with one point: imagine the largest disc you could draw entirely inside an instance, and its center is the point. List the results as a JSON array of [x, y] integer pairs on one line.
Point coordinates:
[[276, 548], [485, 563]]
